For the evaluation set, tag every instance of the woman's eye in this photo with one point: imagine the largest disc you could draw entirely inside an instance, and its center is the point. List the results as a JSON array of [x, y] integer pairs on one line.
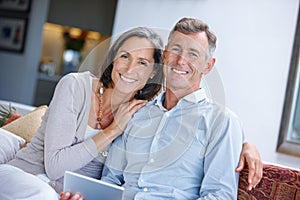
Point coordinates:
[[124, 56], [143, 63]]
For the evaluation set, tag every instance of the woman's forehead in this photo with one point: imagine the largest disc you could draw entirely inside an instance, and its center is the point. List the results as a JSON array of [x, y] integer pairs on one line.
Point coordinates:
[[136, 43]]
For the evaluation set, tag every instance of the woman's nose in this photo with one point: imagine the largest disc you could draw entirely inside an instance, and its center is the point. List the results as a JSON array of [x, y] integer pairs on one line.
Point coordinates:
[[131, 66]]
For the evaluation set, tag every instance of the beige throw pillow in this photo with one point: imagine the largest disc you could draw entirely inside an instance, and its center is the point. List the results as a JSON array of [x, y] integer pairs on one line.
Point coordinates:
[[26, 126]]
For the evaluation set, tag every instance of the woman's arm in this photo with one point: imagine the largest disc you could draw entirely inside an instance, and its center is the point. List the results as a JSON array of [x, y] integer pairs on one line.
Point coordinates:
[[65, 125], [251, 157]]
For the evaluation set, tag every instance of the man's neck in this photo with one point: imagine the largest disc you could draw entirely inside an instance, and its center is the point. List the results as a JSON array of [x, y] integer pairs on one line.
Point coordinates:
[[172, 97]]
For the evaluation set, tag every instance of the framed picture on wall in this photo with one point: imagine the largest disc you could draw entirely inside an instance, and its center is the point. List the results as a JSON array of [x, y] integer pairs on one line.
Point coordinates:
[[12, 33], [15, 5]]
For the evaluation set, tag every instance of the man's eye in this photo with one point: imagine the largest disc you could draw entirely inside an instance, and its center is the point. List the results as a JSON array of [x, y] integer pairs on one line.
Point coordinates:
[[194, 55], [175, 50]]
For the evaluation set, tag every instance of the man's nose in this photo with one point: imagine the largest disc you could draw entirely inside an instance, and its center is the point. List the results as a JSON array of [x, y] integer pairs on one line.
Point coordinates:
[[181, 59]]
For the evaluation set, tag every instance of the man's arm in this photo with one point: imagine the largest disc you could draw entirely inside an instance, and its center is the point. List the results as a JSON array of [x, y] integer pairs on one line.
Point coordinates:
[[223, 150], [250, 156]]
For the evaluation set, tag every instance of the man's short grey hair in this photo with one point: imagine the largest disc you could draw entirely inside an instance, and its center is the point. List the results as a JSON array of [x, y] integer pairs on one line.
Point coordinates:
[[192, 25]]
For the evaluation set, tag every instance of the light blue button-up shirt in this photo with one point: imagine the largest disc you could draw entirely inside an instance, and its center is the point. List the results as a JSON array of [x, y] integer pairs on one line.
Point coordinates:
[[188, 152]]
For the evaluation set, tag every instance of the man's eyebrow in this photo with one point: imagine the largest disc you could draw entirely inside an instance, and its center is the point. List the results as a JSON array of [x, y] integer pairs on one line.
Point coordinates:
[[195, 50], [172, 45]]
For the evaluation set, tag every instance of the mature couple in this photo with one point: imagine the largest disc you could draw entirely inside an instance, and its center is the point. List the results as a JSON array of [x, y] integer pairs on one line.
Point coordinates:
[[180, 145]]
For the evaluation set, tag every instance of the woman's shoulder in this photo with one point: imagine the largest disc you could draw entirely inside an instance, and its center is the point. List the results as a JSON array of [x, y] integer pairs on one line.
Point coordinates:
[[77, 77]]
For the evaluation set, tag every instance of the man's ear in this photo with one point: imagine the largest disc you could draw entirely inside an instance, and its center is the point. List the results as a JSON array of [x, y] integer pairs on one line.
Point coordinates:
[[209, 65], [165, 53]]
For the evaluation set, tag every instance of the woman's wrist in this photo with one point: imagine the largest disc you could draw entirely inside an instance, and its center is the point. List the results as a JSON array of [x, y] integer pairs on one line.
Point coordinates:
[[112, 131], [106, 136]]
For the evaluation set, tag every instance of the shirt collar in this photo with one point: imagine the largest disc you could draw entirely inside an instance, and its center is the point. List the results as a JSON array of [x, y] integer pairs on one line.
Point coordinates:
[[196, 96], [193, 97]]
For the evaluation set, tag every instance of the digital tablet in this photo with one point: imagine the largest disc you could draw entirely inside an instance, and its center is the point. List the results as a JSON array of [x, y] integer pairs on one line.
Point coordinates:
[[91, 188]]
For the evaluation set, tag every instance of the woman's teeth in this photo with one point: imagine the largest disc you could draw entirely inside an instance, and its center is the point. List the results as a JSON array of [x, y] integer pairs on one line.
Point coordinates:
[[127, 79]]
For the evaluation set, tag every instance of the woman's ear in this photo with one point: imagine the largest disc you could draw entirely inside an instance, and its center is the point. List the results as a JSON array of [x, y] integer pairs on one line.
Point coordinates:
[[209, 65], [153, 74]]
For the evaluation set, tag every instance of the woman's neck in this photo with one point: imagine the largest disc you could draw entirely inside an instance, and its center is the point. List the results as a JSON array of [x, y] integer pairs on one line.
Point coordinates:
[[113, 99]]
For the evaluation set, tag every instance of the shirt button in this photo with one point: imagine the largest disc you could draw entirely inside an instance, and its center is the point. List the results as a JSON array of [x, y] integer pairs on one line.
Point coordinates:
[[151, 160], [145, 189]]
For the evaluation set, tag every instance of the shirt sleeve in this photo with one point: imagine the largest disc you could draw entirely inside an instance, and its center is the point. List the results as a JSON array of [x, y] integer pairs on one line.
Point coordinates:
[[221, 159], [64, 149]]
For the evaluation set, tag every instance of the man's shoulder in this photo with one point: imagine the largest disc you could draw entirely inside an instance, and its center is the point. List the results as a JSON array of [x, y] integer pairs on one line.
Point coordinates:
[[215, 109]]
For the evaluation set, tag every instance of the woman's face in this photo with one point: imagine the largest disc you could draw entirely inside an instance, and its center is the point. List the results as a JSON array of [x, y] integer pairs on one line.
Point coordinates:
[[133, 65]]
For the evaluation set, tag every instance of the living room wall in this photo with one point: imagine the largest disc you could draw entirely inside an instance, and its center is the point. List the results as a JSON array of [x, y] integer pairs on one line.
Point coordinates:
[[255, 41], [19, 70]]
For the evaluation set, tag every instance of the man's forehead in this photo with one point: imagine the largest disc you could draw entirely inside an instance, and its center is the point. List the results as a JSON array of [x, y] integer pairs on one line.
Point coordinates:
[[193, 40]]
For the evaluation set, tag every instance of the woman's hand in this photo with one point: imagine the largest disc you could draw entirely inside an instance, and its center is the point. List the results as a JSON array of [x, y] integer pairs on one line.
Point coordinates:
[[68, 196], [125, 112], [121, 118], [251, 157]]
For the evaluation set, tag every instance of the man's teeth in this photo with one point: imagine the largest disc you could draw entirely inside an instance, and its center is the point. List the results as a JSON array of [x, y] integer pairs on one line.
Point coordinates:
[[127, 79], [179, 71]]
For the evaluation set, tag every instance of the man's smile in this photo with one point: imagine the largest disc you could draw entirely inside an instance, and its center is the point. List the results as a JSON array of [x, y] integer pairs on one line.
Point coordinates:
[[179, 71]]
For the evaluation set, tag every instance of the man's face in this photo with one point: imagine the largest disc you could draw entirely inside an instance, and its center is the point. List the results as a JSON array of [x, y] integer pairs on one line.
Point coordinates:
[[185, 60]]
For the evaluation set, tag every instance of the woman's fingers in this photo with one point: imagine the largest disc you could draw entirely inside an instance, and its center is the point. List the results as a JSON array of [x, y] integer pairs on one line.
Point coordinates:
[[135, 105], [126, 111]]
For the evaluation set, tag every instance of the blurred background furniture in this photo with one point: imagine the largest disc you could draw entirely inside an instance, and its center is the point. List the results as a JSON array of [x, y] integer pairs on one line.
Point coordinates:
[[20, 108]]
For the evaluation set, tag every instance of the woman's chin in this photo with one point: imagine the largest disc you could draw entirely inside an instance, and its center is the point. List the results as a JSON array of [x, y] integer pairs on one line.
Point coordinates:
[[125, 91]]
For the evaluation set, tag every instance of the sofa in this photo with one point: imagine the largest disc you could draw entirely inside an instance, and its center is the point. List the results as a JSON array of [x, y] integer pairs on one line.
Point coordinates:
[[17, 133], [277, 183]]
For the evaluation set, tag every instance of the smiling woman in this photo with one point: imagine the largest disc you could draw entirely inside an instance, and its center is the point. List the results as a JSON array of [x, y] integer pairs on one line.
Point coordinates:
[[85, 115], [289, 135]]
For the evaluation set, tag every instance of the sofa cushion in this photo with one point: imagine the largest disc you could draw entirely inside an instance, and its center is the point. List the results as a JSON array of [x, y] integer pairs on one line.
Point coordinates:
[[9, 145], [27, 125], [277, 183]]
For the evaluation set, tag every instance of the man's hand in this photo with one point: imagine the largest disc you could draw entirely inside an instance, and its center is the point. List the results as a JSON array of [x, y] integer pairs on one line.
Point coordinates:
[[251, 157], [68, 196]]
